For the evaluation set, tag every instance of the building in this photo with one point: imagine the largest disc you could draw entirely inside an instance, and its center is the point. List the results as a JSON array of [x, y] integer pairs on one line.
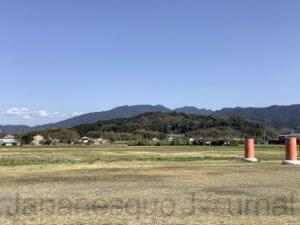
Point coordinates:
[[191, 140], [280, 140], [9, 140], [101, 141], [176, 137], [86, 140], [38, 140], [105, 142]]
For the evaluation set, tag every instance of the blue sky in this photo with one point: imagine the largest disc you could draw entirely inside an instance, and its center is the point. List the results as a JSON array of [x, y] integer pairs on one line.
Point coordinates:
[[62, 58]]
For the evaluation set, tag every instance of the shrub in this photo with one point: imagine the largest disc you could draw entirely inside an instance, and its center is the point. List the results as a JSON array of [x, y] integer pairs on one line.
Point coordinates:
[[175, 143], [198, 142], [218, 143]]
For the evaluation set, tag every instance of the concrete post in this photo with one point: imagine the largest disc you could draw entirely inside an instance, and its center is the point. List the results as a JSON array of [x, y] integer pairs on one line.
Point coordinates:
[[249, 151], [291, 152]]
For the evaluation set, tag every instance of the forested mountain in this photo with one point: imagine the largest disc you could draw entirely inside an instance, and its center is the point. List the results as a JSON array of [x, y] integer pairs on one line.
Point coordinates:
[[160, 124], [278, 117]]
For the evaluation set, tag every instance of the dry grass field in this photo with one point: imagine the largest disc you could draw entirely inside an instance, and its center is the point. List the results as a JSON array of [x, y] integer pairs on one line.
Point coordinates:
[[118, 184]]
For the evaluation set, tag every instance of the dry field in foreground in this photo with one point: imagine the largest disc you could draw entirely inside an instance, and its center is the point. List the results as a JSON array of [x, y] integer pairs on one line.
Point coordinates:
[[118, 184]]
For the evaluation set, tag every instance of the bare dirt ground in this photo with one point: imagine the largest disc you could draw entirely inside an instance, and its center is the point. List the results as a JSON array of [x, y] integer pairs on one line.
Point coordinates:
[[146, 185]]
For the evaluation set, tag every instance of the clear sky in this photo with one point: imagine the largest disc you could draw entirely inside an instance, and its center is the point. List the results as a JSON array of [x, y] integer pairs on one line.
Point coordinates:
[[59, 58]]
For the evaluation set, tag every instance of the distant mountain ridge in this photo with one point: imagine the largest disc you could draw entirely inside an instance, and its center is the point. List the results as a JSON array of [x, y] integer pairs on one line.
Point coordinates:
[[118, 112], [89, 118], [14, 128], [278, 117], [194, 110]]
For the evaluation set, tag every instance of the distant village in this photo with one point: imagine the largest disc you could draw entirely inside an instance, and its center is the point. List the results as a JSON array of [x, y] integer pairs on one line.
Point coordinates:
[[38, 140], [10, 140]]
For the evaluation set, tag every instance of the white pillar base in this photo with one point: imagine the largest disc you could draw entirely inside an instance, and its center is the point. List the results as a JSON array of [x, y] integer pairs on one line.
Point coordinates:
[[291, 162], [250, 159]]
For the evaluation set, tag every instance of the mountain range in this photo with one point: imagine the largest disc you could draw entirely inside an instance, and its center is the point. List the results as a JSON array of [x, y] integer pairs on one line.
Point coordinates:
[[278, 117]]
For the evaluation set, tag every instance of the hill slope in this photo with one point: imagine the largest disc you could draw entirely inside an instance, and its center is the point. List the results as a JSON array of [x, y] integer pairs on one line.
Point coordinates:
[[119, 112], [177, 123], [278, 117], [15, 128], [89, 118], [194, 110]]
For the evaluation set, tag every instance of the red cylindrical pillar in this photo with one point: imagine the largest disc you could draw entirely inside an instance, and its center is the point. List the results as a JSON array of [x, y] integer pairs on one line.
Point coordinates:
[[291, 149], [249, 149]]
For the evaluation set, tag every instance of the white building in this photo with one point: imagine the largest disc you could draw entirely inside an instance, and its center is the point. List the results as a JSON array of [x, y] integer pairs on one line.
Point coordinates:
[[101, 141], [86, 140], [9, 140]]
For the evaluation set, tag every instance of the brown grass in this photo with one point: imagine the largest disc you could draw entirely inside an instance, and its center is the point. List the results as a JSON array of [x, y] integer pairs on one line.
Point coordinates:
[[147, 191]]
